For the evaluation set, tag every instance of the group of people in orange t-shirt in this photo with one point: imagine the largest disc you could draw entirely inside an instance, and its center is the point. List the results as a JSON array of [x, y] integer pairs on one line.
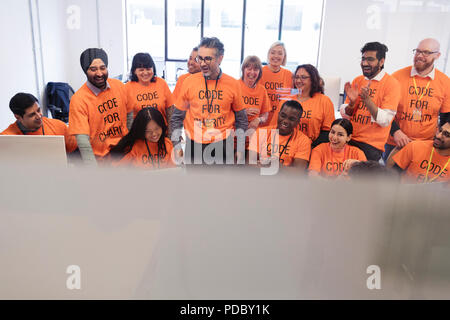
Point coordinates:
[[269, 114]]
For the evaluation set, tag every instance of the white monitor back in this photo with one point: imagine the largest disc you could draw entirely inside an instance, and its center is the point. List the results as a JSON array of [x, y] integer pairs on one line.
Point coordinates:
[[33, 150]]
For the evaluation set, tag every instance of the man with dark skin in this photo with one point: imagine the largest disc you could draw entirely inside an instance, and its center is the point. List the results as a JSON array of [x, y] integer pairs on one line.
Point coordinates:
[[283, 143]]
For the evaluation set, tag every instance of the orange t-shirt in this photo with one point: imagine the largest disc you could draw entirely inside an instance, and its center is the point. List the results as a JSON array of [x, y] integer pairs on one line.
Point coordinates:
[[295, 146], [386, 95], [139, 156], [155, 95], [203, 123], [50, 127], [435, 99], [329, 163], [414, 158], [179, 84], [102, 117], [254, 98], [278, 85], [318, 114]]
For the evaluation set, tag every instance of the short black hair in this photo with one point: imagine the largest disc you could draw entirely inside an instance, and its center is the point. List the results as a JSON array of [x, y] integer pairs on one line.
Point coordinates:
[[213, 42], [142, 60], [20, 102], [380, 48], [292, 104]]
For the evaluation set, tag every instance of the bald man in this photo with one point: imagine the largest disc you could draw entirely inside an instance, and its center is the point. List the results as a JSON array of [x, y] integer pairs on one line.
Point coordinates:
[[425, 97]]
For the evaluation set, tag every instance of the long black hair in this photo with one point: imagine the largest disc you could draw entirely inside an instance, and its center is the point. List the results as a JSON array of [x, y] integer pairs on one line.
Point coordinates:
[[137, 131], [142, 60]]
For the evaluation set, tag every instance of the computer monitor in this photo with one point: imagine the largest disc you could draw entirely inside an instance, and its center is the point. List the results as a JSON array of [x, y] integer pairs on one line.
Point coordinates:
[[33, 150]]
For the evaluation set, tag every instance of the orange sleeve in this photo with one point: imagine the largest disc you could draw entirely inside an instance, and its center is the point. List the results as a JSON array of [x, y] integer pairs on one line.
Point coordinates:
[[315, 164], [238, 103], [392, 95], [78, 116], [265, 105], [182, 99], [404, 156], [303, 150], [446, 104], [170, 101], [360, 155], [328, 114], [70, 140], [126, 100], [178, 86]]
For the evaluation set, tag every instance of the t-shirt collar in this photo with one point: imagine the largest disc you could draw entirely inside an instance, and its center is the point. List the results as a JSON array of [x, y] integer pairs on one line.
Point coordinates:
[[378, 77], [429, 74], [23, 129], [96, 90]]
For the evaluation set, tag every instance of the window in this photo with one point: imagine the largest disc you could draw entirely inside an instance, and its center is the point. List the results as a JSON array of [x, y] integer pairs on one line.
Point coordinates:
[[147, 32]]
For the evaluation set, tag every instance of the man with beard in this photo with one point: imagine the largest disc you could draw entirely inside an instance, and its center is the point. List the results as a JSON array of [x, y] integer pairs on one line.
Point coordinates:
[[209, 106], [371, 102], [425, 94], [424, 161], [98, 110]]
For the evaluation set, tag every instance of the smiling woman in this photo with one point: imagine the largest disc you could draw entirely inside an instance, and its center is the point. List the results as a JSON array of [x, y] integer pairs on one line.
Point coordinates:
[[330, 159], [146, 89]]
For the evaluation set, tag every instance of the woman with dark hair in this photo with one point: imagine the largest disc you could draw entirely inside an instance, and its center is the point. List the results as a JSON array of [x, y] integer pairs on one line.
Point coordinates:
[[318, 110], [145, 89], [328, 159], [146, 144]]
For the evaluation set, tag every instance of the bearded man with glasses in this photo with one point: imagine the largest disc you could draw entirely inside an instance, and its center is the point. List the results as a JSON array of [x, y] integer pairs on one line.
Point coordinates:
[[209, 106], [371, 103], [425, 95]]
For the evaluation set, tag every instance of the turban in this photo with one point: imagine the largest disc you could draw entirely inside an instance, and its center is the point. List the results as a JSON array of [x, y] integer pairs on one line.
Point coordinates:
[[90, 55]]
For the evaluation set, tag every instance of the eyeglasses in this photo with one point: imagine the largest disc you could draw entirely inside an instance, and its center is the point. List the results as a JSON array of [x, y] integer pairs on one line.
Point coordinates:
[[206, 59], [368, 59], [301, 77], [425, 53]]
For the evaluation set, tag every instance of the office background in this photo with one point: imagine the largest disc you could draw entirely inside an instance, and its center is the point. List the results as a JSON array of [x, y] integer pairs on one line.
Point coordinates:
[[43, 39]]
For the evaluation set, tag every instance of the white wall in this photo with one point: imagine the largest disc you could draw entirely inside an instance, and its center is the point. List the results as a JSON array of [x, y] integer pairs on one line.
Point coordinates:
[[349, 24], [62, 30], [16, 56]]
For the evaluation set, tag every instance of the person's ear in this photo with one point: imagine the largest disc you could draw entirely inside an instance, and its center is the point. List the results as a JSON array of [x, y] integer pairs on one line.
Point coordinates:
[[349, 137], [18, 117], [382, 62], [219, 59]]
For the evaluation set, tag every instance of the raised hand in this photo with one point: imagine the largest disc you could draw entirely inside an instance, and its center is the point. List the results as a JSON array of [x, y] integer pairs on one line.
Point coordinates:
[[351, 91]]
